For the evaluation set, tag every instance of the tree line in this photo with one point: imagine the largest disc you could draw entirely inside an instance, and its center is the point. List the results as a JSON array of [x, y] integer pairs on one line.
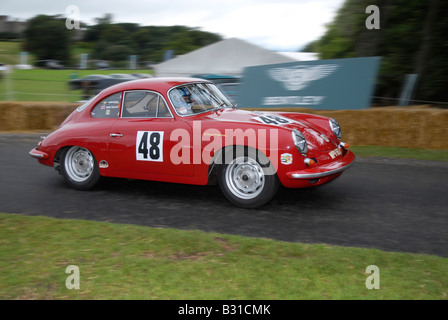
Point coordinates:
[[48, 38]]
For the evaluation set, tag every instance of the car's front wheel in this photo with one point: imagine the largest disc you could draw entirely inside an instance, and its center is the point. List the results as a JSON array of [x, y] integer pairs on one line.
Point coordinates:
[[246, 182], [79, 168]]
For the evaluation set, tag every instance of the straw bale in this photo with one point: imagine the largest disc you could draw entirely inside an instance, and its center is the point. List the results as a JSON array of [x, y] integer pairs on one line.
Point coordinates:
[[411, 127]]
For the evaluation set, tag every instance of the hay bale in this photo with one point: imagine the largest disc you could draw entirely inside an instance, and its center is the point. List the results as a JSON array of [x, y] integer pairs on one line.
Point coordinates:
[[410, 127], [37, 118], [435, 131], [28, 116], [12, 116]]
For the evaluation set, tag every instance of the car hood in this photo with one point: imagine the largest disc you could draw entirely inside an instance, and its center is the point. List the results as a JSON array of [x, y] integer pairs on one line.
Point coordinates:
[[316, 137]]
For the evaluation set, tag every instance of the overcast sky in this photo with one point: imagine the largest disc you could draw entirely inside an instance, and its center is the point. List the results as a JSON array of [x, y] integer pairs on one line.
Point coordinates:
[[281, 25]]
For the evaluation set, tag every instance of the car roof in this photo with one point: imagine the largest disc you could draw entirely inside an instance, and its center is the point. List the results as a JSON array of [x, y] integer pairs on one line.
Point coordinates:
[[121, 75], [157, 84], [90, 76]]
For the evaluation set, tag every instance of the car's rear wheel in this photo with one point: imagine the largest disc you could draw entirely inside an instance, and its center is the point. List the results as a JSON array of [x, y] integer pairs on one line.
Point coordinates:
[[79, 168], [246, 182]]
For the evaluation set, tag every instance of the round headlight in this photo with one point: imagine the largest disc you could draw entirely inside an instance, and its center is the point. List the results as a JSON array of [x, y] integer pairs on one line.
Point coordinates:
[[300, 141], [336, 128]]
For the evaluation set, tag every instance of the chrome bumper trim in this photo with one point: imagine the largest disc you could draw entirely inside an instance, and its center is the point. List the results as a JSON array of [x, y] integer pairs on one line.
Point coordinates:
[[320, 174], [36, 155]]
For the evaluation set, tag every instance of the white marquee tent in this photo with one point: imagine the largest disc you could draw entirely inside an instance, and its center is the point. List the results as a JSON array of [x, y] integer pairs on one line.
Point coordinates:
[[226, 57]]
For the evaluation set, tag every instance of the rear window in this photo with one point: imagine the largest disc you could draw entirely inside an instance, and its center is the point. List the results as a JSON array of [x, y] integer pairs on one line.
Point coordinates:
[[86, 104], [108, 107]]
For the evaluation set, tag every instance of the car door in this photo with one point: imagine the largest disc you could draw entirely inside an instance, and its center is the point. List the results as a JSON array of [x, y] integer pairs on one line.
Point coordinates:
[[140, 140], [96, 132]]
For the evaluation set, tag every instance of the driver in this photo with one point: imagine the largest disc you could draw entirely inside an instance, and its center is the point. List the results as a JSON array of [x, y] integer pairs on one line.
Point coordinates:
[[183, 100], [186, 95]]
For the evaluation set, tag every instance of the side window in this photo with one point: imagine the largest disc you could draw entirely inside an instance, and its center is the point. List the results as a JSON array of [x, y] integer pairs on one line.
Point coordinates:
[[144, 104], [163, 111], [108, 107]]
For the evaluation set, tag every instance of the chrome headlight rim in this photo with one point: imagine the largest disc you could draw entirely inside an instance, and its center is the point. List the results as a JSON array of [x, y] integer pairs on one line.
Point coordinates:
[[336, 128], [300, 141]]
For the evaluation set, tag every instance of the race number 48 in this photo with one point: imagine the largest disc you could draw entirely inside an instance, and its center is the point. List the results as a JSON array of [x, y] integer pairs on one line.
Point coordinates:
[[273, 119], [149, 146]]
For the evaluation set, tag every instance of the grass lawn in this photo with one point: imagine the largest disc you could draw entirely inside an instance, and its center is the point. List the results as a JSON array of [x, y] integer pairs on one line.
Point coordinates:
[[9, 52], [404, 153], [42, 84], [133, 262], [47, 85]]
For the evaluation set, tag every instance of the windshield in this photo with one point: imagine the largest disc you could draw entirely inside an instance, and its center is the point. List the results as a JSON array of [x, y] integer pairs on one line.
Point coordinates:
[[197, 98]]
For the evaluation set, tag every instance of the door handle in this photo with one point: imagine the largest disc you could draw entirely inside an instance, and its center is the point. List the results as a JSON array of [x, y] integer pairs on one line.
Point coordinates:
[[116, 135]]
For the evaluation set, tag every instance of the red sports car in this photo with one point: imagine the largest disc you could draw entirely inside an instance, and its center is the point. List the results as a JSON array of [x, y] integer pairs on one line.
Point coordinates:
[[184, 130]]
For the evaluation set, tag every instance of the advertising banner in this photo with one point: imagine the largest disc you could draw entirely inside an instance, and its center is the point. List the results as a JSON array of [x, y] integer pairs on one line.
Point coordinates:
[[319, 84]]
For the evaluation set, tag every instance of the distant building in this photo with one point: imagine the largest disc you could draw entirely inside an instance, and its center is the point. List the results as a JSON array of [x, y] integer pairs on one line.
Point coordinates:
[[8, 25]]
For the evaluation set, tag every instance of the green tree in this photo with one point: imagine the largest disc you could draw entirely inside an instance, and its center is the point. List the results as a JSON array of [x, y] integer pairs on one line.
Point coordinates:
[[48, 38], [113, 34], [411, 39], [183, 39], [116, 53], [148, 42]]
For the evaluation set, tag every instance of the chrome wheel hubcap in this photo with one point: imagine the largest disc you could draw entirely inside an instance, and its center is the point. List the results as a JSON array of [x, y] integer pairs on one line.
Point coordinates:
[[79, 164], [245, 178]]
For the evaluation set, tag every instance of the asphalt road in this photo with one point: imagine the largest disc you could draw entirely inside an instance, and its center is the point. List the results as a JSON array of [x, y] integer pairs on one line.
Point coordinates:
[[392, 205]]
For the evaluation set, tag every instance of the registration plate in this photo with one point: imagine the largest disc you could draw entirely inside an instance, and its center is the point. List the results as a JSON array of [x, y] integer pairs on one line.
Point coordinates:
[[335, 153]]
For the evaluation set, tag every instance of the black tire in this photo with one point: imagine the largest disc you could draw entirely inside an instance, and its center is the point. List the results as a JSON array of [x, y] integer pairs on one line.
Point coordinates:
[[79, 168], [247, 179]]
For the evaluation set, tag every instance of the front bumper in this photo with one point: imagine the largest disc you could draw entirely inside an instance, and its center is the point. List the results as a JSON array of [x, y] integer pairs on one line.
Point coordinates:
[[318, 175], [325, 170], [38, 154]]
